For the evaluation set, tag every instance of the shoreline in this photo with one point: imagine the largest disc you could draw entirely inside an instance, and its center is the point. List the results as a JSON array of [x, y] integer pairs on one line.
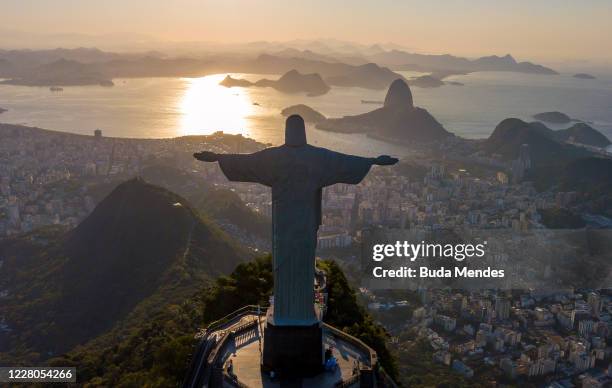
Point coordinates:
[[409, 146], [82, 135]]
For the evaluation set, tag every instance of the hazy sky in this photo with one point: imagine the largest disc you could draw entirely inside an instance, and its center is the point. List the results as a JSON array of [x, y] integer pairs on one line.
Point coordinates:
[[536, 29]]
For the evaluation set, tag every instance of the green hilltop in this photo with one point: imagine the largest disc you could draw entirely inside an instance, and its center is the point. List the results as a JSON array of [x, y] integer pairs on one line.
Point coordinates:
[[141, 248]]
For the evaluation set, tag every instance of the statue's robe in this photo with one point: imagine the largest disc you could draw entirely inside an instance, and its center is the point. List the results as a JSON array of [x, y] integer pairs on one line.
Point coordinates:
[[296, 176]]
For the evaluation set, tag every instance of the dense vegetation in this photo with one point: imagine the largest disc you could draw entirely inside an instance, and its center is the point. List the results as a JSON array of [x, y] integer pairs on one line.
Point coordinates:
[[561, 218], [590, 178], [345, 313], [155, 352], [225, 205]]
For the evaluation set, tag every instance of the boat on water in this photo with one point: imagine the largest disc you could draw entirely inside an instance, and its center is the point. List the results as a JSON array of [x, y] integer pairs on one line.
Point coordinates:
[[371, 102], [107, 83], [56, 89]]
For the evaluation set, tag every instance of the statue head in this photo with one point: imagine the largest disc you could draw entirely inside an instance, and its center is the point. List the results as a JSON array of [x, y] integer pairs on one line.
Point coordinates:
[[295, 131]]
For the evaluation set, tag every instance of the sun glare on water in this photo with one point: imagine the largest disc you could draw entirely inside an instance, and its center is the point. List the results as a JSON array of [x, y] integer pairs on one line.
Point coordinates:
[[207, 107]]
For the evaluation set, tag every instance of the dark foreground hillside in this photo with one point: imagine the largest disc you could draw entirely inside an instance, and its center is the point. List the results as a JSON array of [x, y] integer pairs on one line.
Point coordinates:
[[142, 248], [156, 352]]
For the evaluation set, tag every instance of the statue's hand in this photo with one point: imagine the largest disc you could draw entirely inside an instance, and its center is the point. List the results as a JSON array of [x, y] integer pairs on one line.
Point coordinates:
[[385, 160], [206, 156]]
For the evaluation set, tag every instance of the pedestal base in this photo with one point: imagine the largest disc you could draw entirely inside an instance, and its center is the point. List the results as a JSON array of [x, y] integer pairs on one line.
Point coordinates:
[[293, 350]]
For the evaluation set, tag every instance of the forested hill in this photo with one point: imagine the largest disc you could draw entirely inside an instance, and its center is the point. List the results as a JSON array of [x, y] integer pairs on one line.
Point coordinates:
[[141, 249], [156, 352]]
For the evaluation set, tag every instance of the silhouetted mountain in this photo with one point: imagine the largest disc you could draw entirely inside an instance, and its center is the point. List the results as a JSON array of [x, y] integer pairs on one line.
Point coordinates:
[[425, 62], [397, 120], [580, 133], [510, 134], [295, 82], [398, 96], [308, 114], [140, 249], [508, 63], [230, 82], [583, 134], [553, 117]]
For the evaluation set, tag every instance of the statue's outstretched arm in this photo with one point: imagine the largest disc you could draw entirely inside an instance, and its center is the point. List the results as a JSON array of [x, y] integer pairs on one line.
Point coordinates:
[[206, 156], [257, 167], [385, 160]]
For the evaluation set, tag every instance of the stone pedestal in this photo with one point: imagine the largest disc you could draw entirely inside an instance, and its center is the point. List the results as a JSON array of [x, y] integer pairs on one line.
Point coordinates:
[[293, 350]]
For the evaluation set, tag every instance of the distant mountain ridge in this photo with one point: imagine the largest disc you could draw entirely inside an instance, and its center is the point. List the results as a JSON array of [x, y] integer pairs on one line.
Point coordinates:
[[398, 58], [367, 69], [25, 67], [427, 62], [62, 72]]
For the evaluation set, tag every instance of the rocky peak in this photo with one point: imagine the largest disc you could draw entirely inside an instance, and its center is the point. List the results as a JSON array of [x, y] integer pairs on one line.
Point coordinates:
[[399, 95]]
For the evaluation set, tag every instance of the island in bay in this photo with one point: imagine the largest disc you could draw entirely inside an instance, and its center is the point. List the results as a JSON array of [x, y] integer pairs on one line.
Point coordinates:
[[291, 82]]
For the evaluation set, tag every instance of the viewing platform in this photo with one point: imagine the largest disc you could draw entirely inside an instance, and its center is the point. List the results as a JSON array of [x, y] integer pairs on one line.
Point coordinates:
[[230, 355]]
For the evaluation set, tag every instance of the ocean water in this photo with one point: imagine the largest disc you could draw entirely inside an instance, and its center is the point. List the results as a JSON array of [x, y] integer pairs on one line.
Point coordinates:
[[169, 107]]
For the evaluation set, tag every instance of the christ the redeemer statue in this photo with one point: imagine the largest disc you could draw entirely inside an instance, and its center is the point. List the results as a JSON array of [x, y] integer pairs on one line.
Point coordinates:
[[296, 172]]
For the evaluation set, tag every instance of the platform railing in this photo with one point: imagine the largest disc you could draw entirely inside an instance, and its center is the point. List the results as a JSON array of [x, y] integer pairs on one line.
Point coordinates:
[[249, 309], [371, 353], [209, 346]]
